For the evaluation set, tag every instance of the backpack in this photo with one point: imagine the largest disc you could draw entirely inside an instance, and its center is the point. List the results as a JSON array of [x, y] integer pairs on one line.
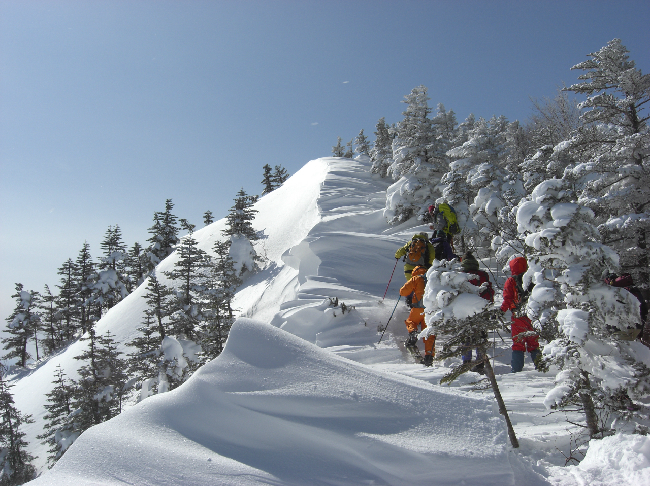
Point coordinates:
[[409, 297], [418, 252], [452, 220], [487, 294], [522, 293]]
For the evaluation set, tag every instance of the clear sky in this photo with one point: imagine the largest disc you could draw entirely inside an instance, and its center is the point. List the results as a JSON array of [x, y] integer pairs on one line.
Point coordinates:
[[108, 108]]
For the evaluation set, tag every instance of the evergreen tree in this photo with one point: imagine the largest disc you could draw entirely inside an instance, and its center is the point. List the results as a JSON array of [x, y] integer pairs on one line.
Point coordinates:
[[280, 175], [208, 218], [614, 143], [22, 325], [145, 364], [15, 462], [224, 281], [362, 147], [349, 153], [136, 267], [413, 134], [67, 300], [267, 179], [189, 274], [338, 150], [89, 403], [382, 151], [50, 322], [240, 217], [164, 234], [108, 284], [58, 408], [113, 372], [84, 270], [573, 307]]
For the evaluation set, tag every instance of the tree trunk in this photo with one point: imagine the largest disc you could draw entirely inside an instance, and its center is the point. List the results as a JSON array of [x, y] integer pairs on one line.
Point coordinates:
[[502, 406], [588, 406]]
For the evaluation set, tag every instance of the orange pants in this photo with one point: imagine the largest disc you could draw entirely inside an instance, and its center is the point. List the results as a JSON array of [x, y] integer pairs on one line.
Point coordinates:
[[415, 320]]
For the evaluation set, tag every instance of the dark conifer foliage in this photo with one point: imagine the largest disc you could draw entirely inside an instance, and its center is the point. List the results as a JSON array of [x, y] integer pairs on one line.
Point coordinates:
[[22, 326], [164, 234], [15, 462]]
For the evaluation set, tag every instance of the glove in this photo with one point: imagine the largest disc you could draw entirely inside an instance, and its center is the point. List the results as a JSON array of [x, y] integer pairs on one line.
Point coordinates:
[[508, 315]]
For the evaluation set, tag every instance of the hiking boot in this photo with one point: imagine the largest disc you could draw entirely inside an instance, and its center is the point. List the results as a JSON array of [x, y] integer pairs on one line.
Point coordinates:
[[412, 339], [428, 360]]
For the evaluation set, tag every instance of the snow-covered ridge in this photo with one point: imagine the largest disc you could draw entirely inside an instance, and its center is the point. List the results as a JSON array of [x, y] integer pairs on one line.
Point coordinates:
[[303, 394]]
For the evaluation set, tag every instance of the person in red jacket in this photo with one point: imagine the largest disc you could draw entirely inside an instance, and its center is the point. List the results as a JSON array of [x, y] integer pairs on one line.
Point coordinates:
[[416, 285], [514, 297]]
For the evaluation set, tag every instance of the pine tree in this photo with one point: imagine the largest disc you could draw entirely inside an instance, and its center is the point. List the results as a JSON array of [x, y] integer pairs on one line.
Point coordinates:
[[614, 143], [84, 270], [382, 150], [338, 150], [145, 364], [164, 234], [208, 218], [108, 284], [50, 322], [240, 217], [189, 274], [22, 325], [58, 408], [113, 371], [67, 300], [349, 153], [362, 147], [136, 267], [578, 312], [280, 176], [89, 404], [15, 462], [448, 291], [224, 281], [267, 179]]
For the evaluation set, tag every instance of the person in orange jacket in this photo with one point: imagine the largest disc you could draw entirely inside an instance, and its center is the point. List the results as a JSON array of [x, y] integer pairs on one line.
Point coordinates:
[[512, 305], [415, 286]]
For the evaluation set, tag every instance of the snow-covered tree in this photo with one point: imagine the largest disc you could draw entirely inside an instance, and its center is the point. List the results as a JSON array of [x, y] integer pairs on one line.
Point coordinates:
[[22, 326], [108, 283], [15, 462], [456, 310], [381, 153], [136, 267], [338, 150], [571, 301], [190, 275], [219, 314], [164, 234], [59, 407], [362, 147], [613, 147]]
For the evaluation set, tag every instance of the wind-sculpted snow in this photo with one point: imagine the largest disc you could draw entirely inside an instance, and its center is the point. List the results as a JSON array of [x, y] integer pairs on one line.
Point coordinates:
[[274, 409]]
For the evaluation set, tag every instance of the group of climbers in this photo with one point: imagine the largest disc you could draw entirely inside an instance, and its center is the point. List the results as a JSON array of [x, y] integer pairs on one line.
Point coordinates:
[[419, 254]]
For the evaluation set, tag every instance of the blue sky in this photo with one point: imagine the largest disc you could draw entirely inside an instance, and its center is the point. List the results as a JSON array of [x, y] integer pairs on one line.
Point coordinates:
[[108, 108]]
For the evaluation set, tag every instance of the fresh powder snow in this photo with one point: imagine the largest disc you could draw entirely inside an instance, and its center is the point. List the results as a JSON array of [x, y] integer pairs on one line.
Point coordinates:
[[304, 393]]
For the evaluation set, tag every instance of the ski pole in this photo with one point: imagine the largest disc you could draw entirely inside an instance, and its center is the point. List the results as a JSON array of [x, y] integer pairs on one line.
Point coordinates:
[[390, 279], [391, 316]]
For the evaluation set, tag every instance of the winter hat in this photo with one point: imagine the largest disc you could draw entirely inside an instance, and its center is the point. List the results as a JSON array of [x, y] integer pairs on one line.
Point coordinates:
[[469, 262], [518, 266]]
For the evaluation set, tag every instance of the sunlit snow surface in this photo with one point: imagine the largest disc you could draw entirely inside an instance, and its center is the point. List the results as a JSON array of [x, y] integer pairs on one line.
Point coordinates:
[[304, 394]]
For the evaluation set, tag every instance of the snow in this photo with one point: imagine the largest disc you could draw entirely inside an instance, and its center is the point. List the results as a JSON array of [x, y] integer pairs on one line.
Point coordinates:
[[304, 393]]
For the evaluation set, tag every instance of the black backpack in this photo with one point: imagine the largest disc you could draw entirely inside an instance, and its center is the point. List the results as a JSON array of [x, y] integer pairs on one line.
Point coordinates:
[[522, 293]]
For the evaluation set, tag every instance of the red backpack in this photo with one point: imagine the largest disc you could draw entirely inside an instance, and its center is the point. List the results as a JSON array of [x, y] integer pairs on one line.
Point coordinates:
[[487, 294]]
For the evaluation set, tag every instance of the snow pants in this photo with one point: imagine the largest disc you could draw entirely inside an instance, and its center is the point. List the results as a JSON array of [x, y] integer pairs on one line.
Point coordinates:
[[517, 361], [416, 320]]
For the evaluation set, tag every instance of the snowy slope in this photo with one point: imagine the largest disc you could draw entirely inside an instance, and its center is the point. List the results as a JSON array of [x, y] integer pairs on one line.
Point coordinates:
[[303, 394]]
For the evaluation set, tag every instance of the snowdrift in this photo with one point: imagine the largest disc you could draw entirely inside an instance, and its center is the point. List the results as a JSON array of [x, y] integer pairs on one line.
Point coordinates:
[[276, 409]]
